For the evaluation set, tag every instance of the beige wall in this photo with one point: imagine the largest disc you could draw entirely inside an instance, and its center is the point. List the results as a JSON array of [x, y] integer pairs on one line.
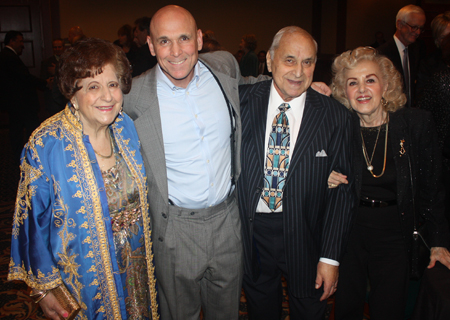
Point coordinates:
[[229, 19], [365, 18]]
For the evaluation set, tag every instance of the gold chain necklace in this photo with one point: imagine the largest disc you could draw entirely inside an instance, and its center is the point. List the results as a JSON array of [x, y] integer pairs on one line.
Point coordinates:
[[364, 149], [112, 148]]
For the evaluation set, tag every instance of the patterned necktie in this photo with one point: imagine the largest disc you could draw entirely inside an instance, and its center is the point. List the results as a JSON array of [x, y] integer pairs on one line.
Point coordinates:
[[277, 161], [406, 74]]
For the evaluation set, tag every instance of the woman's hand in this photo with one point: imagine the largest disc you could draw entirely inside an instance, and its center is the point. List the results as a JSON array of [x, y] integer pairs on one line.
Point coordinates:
[[322, 88], [52, 308], [440, 254], [336, 178]]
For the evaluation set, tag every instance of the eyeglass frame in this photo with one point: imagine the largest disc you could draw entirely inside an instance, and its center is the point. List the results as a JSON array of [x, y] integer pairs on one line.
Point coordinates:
[[415, 28]]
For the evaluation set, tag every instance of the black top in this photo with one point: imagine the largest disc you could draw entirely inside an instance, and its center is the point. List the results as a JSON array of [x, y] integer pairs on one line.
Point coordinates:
[[416, 129], [385, 187], [436, 99]]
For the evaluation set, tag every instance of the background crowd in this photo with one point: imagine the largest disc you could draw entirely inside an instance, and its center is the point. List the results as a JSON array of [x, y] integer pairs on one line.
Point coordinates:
[[400, 179]]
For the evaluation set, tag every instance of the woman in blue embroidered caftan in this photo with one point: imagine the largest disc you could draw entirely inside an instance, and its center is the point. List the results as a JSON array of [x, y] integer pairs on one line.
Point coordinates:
[[81, 217]]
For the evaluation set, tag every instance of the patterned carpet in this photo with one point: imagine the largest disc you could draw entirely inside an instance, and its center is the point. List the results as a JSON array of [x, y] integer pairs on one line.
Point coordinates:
[[14, 300]]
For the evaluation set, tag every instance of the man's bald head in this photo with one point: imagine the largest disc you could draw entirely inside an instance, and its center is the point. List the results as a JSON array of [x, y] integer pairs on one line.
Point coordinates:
[[175, 41], [75, 34], [171, 12]]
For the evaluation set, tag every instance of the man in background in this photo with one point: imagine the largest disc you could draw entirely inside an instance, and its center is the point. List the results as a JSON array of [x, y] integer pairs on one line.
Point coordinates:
[[18, 92], [143, 59], [48, 67], [403, 49]]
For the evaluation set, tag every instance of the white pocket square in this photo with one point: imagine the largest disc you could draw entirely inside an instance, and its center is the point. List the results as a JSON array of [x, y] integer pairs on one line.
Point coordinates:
[[321, 153]]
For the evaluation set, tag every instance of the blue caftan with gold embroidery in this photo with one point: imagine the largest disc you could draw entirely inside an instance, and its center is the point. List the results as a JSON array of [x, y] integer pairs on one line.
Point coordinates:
[[73, 224]]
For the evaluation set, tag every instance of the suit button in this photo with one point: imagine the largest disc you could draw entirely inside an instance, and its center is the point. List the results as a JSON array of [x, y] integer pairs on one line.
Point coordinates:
[[250, 219], [164, 215], [161, 239], [402, 213]]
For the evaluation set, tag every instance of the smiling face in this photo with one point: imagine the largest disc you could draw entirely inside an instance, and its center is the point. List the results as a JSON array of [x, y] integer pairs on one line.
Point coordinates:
[[58, 47], [175, 41], [99, 100], [293, 65], [404, 32], [364, 89]]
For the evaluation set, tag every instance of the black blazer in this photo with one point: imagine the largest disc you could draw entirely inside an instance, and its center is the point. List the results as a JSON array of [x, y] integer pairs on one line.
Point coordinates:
[[17, 85], [415, 54], [316, 219], [416, 128]]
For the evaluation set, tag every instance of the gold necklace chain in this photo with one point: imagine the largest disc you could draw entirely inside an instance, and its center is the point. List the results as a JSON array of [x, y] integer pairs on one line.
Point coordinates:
[[364, 149], [112, 148]]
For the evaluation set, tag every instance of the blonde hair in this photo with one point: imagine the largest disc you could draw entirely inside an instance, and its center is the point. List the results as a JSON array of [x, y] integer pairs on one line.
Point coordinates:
[[438, 26], [394, 95]]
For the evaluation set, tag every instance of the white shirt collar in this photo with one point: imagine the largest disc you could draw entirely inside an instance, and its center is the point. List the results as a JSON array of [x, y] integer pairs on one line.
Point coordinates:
[[162, 78], [399, 44], [275, 99], [12, 49]]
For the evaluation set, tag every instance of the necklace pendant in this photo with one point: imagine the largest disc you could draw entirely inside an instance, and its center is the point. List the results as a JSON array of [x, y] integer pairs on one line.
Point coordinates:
[[370, 168]]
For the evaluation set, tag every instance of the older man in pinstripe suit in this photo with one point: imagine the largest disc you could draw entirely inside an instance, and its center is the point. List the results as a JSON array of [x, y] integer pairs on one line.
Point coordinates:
[[293, 224]]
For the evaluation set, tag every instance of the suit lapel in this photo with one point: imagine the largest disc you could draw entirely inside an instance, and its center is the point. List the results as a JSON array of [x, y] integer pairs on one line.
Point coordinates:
[[311, 122], [152, 141], [258, 106]]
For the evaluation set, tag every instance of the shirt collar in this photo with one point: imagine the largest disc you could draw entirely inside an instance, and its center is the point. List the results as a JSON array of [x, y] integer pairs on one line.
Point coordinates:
[[399, 44], [162, 78], [12, 49], [275, 100]]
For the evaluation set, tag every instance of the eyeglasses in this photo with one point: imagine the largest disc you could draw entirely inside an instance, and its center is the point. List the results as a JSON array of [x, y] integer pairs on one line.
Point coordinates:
[[414, 28]]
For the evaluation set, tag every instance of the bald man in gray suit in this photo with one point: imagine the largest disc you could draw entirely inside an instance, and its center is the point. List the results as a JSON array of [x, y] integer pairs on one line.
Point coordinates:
[[186, 112]]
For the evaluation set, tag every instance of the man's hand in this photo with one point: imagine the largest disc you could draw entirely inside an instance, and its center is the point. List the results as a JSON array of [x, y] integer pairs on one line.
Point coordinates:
[[440, 254], [322, 88], [328, 275]]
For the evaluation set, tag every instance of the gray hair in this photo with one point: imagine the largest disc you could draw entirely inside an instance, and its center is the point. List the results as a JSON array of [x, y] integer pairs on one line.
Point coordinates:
[[403, 13], [288, 30]]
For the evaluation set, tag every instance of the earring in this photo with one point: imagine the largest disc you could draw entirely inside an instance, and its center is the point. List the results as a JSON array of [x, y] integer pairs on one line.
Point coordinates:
[[120, 112], [75, 112], [384, 103]]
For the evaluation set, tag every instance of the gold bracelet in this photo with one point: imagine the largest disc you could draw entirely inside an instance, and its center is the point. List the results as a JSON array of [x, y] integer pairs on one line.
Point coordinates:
[[38, 296]]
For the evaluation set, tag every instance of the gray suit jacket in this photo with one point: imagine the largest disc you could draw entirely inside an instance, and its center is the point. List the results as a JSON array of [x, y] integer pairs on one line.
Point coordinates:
[[142, 105]]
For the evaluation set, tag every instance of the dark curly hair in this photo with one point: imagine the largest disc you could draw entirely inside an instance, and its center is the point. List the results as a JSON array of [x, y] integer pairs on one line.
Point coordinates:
[[87, 58]]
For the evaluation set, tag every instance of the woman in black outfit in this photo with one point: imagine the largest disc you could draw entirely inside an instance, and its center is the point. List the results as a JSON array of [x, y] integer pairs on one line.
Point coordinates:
[[436, 99], [387, 138]]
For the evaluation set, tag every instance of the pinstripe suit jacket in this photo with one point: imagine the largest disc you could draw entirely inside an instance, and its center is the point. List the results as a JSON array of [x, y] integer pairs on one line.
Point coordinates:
[[316, 219]]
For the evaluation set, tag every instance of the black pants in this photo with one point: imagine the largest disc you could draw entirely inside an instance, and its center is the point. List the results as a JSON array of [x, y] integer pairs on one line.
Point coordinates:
[[377, 251], [264, 297]]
